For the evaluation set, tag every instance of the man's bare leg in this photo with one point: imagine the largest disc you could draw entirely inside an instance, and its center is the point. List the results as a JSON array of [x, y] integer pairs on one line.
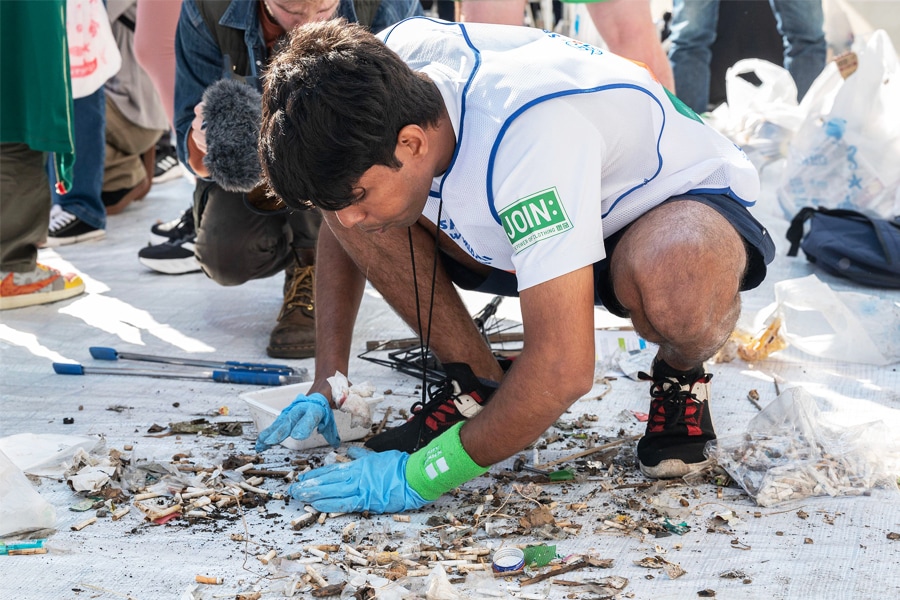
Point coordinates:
[[678, 270]]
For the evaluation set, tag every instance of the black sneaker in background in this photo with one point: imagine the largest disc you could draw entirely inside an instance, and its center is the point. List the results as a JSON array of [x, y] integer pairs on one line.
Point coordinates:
[[166, 167], [679, 426], [174, 257], [65, 228], [176, 229], [460, 396]]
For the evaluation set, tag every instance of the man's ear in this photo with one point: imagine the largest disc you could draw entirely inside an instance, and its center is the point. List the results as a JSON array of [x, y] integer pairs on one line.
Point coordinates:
[[411, 141]]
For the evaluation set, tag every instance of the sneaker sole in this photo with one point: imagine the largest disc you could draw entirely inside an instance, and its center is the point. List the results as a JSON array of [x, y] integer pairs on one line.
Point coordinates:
[[673, 468], [39, 298], [54, 242], [170, 175], [172, 266]]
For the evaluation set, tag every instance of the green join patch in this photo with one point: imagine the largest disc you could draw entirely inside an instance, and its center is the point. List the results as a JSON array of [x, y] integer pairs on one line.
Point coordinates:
[[534, 218]]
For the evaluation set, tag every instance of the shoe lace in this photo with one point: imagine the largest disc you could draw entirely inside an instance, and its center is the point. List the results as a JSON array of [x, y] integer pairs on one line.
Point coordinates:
[[300, 291], [59, 219], [674, 392]]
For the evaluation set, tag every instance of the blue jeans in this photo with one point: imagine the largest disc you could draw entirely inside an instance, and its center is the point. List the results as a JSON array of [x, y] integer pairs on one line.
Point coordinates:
[[84, 200], [694, 25]]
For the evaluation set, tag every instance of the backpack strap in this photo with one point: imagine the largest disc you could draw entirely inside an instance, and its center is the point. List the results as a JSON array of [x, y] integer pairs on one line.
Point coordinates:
[[365, 11], [795, 231], [229, 40]]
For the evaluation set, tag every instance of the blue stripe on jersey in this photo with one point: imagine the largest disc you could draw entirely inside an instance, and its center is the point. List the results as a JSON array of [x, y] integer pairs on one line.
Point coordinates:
[[503, 129]]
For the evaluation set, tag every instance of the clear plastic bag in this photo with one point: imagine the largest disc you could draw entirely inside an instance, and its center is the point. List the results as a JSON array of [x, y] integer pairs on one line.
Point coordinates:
[[846, 154], [790, 451], [763, 118], [22, 510], [845, 326]]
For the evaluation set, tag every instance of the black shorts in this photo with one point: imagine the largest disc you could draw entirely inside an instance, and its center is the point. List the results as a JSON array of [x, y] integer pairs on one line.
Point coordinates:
[[758, 242]]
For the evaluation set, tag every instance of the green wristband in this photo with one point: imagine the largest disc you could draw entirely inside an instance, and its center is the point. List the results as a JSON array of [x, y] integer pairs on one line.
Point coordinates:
[[441, 466]]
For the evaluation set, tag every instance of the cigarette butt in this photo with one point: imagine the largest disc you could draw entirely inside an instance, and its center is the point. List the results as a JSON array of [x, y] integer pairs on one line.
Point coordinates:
[[23, 551], [303, 520], [147, 496], [345, 532], [245, 467], [356, 560], [351, 550], [321, 519], [159, 514], [265, 558], [401, 518], [197, 494], [208, 580], [121, 513], [255, 490], [254, 481], [315, 575], [418, 573], [84, 524], [128, 447], [316, 552], [202, 501]]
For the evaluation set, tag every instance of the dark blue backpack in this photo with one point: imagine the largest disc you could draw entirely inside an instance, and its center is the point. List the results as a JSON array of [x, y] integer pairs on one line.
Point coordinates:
[[849, 244]]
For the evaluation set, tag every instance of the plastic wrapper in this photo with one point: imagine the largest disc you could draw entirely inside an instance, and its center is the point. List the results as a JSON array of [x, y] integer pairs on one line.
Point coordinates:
[[23, 511], [791, 451], [846, 152]]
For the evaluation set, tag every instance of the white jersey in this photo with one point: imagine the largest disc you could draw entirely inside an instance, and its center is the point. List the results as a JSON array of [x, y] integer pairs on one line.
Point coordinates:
[[559, 144]]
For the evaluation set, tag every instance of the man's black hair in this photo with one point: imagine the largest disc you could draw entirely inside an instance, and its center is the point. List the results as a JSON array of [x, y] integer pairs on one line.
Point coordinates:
[[334, 100]]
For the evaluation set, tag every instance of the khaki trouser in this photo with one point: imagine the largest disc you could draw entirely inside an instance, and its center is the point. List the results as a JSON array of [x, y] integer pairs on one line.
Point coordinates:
[[125, 142], [24, 206]]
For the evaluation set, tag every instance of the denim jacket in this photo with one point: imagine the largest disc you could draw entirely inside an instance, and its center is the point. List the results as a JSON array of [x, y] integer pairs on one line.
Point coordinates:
[[199, 62]]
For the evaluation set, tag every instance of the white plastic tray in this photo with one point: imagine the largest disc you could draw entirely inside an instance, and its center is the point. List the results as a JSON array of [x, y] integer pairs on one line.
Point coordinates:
[[265, 405]]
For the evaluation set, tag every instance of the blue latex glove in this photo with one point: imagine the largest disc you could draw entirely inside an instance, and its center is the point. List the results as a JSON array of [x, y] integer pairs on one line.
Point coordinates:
[[375, 481], [304, 415]]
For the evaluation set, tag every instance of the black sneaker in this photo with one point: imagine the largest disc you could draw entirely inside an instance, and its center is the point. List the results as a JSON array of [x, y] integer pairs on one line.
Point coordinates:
[[166, 167], [176, 229], [460, 396], [173, 257], [679, 426], [65, 228]]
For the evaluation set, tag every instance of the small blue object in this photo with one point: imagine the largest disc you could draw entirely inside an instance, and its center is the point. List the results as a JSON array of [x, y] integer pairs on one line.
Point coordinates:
[[103, 353], [303, 416], [7, 547], [68, 368], [375, 481]]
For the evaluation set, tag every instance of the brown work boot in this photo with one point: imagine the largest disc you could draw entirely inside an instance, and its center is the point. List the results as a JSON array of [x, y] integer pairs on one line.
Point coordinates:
[[295, 334]]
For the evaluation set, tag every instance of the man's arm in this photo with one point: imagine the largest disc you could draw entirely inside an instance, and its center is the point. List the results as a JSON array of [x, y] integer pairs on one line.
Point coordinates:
[[198, 64], [627, 28], [556, 368], [338, 297]]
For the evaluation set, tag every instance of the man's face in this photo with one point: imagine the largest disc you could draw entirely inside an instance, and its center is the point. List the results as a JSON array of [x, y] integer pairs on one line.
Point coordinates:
[[392, 198], [293, 13]]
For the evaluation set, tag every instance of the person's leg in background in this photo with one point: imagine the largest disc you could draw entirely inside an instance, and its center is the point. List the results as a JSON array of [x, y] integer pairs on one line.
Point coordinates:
[[24, 214], [126, 177], [627, 28], [235, 244], [501, 12], [801, 23], [154, 48], [79, 215], [693, 33]]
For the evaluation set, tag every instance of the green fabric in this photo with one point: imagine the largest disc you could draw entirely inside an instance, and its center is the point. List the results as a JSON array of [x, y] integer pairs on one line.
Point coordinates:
[[441, 465], [36, 103]]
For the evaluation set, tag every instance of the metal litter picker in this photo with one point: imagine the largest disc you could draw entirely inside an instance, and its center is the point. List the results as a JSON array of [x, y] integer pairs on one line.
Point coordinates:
[[242, 376]]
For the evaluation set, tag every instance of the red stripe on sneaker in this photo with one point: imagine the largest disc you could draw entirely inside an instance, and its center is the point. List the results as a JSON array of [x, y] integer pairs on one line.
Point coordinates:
[[8, 288]]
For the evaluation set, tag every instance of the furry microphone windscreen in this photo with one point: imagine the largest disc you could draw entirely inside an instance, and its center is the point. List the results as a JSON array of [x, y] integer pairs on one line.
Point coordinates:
[[233, 115]]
